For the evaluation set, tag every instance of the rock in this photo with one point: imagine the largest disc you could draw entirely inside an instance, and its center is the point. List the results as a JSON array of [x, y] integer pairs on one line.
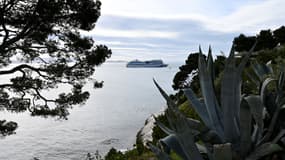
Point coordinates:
[[145, 133]]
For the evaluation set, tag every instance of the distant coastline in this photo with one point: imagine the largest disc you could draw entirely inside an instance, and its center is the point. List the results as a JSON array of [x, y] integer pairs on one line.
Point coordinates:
[[116, 61]]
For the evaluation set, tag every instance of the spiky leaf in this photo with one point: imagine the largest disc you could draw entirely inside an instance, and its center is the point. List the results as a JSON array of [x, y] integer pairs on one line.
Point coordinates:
[[159, 154], [164, 94], [210, 64], [245, 128], [261, 70], [279, 136], [171, 143], [230, 98], [281, 80], [198, 107], [256, 109], [231, 95], [196, 125], [264, 86], [163, 127], [264, 150], [208, 92], [188, 145]]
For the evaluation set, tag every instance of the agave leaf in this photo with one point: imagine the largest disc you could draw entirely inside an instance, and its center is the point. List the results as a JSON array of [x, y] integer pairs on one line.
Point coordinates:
[[159, 154], [230, 99], [256, 109], [279, 136], [272, 123], [253, 78], [264, 86], [198, 107], [231, 95], [223, 152], [209, 148], [261, 70], [208, 92], [170, 103], [164, 94], [205, 134], [170, 115], [258, 71], [184, 135], [264, 150], [201, 148], [269, 65], [196, 125], [182, 125], [164, 128], [231, 59], [210, 64], [245, 128], [172, 108], [186, 140], [254, 136], [171, 143], [179, 123], [267, 69], [281, 81], [211, 71]]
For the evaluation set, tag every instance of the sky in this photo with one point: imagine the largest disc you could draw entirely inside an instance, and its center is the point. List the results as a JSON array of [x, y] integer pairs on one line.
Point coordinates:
[[171, 30]]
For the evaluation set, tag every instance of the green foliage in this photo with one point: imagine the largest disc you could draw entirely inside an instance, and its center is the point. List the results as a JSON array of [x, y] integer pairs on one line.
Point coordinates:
[[157, 133], [267, 39], [244, 43], [180, 80], [95, 156], [188, 74], [139, 144], [265, 56], [279, 34], [113, 154], [134, 155], [7, 128], [48, 34], [237, 128]]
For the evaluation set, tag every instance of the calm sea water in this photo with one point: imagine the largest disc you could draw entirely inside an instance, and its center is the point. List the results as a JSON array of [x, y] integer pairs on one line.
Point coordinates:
[[110, 118]]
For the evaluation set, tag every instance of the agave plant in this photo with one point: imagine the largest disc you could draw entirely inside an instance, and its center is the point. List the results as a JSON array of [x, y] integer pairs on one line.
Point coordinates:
[[238, 127]]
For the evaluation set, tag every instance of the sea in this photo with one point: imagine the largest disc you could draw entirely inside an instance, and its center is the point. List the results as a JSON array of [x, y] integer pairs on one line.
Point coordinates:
[[111, 117]]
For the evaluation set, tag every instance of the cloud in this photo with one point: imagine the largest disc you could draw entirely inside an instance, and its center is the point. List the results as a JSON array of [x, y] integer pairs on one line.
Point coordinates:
[[139, 33], [147, 54], [244, 17], [165, 28], [129, 44], [135, 37], [251, 18], [169, 8]]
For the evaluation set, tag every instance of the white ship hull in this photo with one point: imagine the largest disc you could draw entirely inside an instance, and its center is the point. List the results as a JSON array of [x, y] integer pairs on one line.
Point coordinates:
[[146, 64]]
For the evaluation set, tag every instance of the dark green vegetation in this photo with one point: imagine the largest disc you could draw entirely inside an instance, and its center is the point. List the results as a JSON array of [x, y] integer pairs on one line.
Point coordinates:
[[267, 42], [46, 32], [267, 39], [260, 126], [114, 154], [237, 126]]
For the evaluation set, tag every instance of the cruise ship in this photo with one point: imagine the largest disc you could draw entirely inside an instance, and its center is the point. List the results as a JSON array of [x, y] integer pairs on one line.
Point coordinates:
[[150, 64]]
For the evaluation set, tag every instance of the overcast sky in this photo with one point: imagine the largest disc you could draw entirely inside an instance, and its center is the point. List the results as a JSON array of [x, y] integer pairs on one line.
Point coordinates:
[[171, 29]]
